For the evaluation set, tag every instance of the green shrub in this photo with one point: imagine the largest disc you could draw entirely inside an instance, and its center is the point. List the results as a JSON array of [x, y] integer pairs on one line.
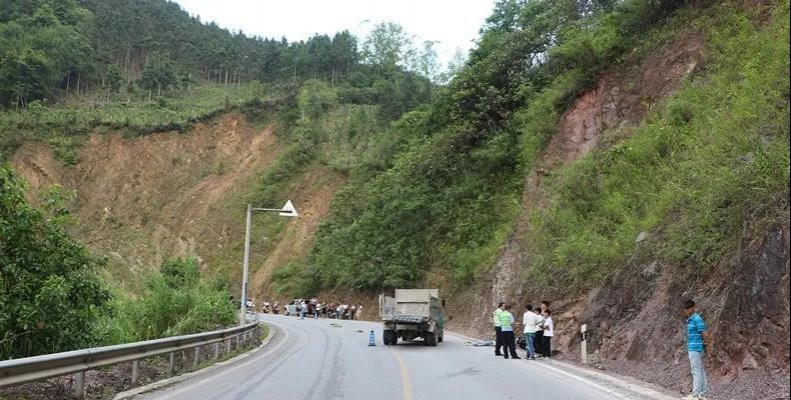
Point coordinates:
[[171, 301], [50, 294]]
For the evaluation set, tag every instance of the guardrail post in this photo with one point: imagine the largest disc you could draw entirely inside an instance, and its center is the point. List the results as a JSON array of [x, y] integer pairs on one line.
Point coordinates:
[[197, 357], [79, 385], [216, 350], [171, 362], [135, 371]]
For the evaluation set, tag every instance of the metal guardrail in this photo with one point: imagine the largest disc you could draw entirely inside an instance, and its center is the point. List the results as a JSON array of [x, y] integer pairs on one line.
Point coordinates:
[[30, 369]]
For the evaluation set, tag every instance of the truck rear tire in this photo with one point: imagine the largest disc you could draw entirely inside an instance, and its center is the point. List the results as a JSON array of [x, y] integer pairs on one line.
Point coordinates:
[[389, 337], [431, 338]]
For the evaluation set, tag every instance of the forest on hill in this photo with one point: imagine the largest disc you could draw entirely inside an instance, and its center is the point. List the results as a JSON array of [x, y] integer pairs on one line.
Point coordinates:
[[51, 48]]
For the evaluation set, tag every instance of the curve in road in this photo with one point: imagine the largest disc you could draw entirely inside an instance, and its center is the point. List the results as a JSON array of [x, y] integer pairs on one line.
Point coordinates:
[[321, 359]]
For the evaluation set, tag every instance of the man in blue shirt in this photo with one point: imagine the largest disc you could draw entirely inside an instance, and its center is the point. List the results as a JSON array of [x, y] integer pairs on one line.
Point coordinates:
[[697, 339]]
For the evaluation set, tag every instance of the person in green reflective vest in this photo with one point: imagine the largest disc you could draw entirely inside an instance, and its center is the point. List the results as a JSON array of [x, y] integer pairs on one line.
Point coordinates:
[[507, 333], [498, 337]]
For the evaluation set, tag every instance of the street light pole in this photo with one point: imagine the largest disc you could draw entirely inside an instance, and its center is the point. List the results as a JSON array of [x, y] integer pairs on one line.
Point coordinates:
[[288, 210], [246, 267]]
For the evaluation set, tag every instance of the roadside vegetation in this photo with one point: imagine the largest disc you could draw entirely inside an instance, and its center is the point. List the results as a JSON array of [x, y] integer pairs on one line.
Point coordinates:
[[52, 297]]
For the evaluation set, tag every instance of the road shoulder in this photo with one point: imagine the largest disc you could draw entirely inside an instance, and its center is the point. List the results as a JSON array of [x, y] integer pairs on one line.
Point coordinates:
[[132, 393], [610, 382]]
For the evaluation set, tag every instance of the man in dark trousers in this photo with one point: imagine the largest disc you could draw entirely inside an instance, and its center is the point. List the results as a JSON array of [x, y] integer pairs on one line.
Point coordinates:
[[539, 339], [498, 338], [507, 333]]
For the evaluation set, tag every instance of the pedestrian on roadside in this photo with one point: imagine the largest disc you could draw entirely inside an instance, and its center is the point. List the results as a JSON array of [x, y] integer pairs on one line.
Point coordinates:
[[697, 341], [507, 333], [359, 314], [302, 309], [549, 331], [498, 338], [530, 321], [538, 341]]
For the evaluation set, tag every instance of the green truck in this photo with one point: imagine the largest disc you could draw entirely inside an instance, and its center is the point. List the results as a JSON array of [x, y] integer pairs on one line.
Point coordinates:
[[412, 314]]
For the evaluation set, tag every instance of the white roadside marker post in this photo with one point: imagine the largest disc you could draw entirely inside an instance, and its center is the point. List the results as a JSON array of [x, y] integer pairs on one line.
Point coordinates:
[[583, 330]]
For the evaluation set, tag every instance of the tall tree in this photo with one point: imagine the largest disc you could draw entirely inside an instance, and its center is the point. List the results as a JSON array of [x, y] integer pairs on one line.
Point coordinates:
[[386, 44]]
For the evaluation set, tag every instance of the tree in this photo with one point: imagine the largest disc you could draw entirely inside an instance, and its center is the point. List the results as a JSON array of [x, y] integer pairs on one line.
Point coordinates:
[[315, 98], [40, 47], [454, 66], [159, 74], [386, 44], [114, 78], [426, 62], [50, 293], [343, 53]]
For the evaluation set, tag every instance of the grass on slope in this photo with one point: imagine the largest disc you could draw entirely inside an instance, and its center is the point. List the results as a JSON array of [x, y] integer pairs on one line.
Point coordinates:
[[64, 126], [714, 156]]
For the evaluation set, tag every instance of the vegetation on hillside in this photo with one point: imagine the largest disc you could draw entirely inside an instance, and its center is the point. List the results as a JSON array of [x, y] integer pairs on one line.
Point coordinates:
[[52, 297], [54, 47], [451, 196], [70, 68], [173, 300], [714, 157], [50, 293]]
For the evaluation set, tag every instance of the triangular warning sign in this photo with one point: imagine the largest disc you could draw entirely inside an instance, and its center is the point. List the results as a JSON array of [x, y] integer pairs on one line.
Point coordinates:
[[289, 210]]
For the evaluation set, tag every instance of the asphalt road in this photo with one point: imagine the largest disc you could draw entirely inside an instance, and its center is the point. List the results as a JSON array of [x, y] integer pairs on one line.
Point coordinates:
[[312, 360]]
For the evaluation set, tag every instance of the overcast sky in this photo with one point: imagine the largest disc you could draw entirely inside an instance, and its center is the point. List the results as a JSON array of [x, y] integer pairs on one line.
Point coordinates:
[[453, 23]]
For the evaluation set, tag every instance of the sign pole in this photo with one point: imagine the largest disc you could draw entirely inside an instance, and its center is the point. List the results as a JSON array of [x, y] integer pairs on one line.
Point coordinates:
[[243, 307]]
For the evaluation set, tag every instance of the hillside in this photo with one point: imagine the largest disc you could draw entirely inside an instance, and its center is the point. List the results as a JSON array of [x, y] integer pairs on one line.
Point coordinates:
[[610, 157]]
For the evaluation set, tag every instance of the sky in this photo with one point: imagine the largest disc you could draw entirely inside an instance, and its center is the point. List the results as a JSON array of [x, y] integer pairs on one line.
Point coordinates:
[[453, 23]]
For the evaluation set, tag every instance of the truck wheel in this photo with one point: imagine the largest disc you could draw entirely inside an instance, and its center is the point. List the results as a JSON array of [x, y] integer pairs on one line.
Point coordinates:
[[431, 338], [388, 337]]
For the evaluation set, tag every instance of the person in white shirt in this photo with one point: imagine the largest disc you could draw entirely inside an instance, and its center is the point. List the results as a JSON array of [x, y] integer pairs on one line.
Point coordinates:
[[549, 331], [530, 321]]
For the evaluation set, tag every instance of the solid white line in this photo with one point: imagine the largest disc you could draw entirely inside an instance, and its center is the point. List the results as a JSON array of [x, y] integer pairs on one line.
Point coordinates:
[[224, 371], [583, 380]]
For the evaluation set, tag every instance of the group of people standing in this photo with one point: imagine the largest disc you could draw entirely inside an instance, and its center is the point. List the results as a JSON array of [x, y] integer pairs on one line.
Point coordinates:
[[336, 310], [537, 331]]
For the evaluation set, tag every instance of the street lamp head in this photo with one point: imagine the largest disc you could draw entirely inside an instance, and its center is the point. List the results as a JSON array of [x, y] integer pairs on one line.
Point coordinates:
[[289, 210]]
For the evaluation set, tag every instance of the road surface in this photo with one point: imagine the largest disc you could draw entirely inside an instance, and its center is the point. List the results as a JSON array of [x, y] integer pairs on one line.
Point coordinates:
[[329, 359]]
